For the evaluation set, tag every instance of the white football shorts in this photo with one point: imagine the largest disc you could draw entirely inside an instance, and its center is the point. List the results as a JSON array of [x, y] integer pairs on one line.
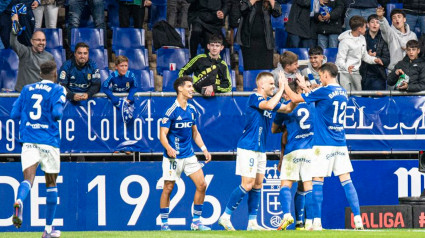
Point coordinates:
[[249, 163], [297, 165], [331, 159], [173, 168], [47, 155]]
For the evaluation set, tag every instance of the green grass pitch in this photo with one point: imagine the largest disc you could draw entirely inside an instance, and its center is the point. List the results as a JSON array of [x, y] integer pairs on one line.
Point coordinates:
[[399, 233]]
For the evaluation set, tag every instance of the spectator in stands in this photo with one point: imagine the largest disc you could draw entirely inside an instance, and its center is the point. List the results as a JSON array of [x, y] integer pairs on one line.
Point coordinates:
[[177, 13], [30, 58], [316, 60], [80, 75], [409, 74], [328, 17], [210, 72], [300, 25], [234, 14], [206, 18], [374, 76], [134, 9], [3, 6], [415, 14], [363, 8], [351, 52], [23, 9], [396, 35], [122, 80], [49, 9], [255, 33], [288, 63]]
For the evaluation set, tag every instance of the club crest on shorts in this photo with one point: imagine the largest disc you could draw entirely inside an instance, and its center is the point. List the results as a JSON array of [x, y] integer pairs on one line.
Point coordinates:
[[270, 209]]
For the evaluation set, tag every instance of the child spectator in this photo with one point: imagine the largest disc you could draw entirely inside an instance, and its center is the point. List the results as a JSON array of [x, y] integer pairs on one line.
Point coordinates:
[[396, 35], [288, 63], [210, 72], [409, 74], [351, 52], [316, 60], [328, 17], [374, 77]]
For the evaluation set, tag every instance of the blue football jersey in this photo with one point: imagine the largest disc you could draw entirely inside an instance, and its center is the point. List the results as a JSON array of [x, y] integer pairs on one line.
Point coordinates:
[[330, 104], [180, 123], [79, 79], [35, 108], [300, 127], [120, 84], [257, 124]]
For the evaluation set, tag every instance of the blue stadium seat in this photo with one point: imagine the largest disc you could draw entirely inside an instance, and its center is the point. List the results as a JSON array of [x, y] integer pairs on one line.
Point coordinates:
[[100, 56], [240, 66], [128, 38], [182, 33], [281, 36], [91, 36], [8, 80], [104, 74], [59, 55], [330, 53], [54, 37], [236, 46], [165, 56], [390, 7], [10, 59], [144, 80], [279, 22], [138, 58], [158, 12], [301, 52], [233, 77], [249, 76], [168, 80]]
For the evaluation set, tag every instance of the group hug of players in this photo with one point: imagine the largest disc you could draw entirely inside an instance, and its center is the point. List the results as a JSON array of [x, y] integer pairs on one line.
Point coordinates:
[[315, 146]]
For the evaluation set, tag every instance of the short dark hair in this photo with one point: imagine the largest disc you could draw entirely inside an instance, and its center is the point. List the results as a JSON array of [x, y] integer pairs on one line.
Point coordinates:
[[81, 45], [181, 81], [372, 17], [293, 85], [317, 50], [330, 68], [357, 22], [397, 11], [288, 57], [48, 67], [413, 44], [215, 39]]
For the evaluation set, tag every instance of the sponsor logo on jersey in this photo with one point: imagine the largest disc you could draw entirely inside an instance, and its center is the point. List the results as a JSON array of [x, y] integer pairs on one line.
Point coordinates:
[[179, 118], [180, 125], [62, 75]]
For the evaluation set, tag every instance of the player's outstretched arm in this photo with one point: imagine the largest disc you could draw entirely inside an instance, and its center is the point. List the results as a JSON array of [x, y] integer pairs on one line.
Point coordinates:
[[271, 104], [17, 108], [163, 131], [200, 143], [295, 97]]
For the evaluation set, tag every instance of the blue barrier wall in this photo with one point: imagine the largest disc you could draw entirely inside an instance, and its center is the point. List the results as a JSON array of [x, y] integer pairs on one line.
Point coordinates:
[[125, 196]]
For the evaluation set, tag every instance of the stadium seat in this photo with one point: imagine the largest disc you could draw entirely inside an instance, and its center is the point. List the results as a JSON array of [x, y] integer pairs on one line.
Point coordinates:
[[100, 56], [281, 36], [10, 59], [279, 22], [233, 78], [91, 36], [144, 80], [54, 37], [236, 46], [8, 80], [128, 38], [104, 74], [182, 33], [240, 66], [390, 7], [138, 58], [165, 56], [158, 12], [59, 55], [168, 80], [330, 53], [301, 52], [249, 76]]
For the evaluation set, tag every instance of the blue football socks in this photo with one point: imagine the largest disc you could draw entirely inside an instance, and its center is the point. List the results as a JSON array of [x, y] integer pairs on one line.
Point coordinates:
[[51, 203], [299, 202], [285, 198], [197, 212], [164, 212], [317, 198], [309, 204], [234, 200], [23, 190], [351, 194], [253, 202]]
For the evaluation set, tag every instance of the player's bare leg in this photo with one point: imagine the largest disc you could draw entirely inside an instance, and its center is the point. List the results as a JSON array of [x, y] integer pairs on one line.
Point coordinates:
[[352, 198], [51, 204], [164, 204], [254, 195], [23, 190], [285, 197], [198, 200]]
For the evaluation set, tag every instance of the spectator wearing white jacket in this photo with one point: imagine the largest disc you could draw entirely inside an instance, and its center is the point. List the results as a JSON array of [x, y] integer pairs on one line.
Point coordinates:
[[351, 52], [396, 35]]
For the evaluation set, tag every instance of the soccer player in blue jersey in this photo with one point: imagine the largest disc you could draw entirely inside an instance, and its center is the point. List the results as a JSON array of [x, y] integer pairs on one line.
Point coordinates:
[[330, 145], [39, 107], [295, 164], [251, 157], [178, 128]]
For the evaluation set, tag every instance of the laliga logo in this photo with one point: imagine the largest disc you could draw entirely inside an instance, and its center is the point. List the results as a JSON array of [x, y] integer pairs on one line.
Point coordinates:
[[416, 185], [271, 211]]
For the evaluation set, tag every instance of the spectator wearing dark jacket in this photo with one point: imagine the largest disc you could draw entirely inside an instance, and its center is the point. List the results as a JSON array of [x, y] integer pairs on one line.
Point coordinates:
[[300, 26], [328, 19], [412, 67], [415, 14], [374, 76], [255, 33], [363, 8]]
